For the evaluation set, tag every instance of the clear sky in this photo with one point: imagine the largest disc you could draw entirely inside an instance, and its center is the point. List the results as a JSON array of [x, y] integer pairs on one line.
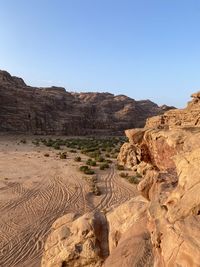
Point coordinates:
[[141, 48]]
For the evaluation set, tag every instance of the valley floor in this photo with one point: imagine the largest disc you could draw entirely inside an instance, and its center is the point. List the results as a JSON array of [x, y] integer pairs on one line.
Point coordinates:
[[35, 190]]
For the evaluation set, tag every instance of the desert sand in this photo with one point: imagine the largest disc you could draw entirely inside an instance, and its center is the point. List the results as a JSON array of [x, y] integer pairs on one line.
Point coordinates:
[[36, 190]]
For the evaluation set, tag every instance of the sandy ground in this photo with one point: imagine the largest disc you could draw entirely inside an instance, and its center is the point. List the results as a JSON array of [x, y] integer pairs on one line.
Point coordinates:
[[36, 190]]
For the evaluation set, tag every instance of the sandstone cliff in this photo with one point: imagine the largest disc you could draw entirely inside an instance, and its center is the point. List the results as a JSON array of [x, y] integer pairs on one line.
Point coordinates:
[[189, 116], [161, 228], [26, 109]]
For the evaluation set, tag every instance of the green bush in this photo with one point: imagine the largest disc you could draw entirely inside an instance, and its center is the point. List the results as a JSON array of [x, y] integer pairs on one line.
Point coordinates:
[[133, 179], [104, 166], [86, 170], [36, 142], [91, 162], [56, 146], [63, 155], [99, 159], [73, 151], [124, 174], [77, 159], [83, 168], [89, 172]]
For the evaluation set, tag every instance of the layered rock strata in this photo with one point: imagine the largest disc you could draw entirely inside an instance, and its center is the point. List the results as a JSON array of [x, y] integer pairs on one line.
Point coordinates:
[[54, 111]]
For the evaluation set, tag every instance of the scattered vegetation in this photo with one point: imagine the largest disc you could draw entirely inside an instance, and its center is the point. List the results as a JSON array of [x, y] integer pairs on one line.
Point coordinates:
[[63, 155], [46, 154], [77, 159], [124, 174], [86, 170], [91, 162], [134, 179], [93, 145], [36, 142], [93, 187], [72, 151], [104, 166]]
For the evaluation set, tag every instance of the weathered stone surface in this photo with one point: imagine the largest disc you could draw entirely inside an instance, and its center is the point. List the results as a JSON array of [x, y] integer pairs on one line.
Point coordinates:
[[174, 220], [122, 218], [169, 160], [187, 117], [77, 242], [162, 228], [88, 240], [134, 248], [25, 109]]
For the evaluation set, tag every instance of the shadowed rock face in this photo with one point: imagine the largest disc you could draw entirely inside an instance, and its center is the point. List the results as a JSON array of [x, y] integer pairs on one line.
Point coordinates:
[[25, 109]]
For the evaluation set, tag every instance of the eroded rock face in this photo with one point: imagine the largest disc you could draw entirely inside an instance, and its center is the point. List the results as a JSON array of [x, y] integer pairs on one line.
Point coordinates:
[[161, 228], [77, 242], [129, 239], [25, 109], [169, 160], [88, 240], [155, 148], [186, 117]]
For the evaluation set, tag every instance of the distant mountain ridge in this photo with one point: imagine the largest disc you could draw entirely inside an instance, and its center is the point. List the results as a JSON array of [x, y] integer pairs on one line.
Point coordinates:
[[54, 111]]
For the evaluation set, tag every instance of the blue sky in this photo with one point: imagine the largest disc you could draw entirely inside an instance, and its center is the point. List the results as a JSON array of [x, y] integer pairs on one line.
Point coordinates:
[[144, 48]]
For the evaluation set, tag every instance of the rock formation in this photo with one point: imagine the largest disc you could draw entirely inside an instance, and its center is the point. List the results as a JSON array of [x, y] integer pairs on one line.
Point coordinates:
[[161, 228], [26, 109], [168, 158], [189, 116]]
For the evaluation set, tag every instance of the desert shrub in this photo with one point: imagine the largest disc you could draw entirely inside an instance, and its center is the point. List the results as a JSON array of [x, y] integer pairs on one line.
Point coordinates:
[[124, 174], [133, 179], [36, 142], [89, 171], [91, 162], [46, 154], [104, 166], [107, 155], [72, 151], [109, 161], [100, 159], [120, 167], [56, 146], [23, 141], [95, 189], [63, 155], [85, 169], [77, 159]]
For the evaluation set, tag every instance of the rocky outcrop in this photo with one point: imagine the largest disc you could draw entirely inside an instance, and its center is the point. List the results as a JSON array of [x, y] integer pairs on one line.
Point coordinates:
[[168, 158], [189, 116], [88, 240], [77, 241], [25, 109], [161, 228]]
